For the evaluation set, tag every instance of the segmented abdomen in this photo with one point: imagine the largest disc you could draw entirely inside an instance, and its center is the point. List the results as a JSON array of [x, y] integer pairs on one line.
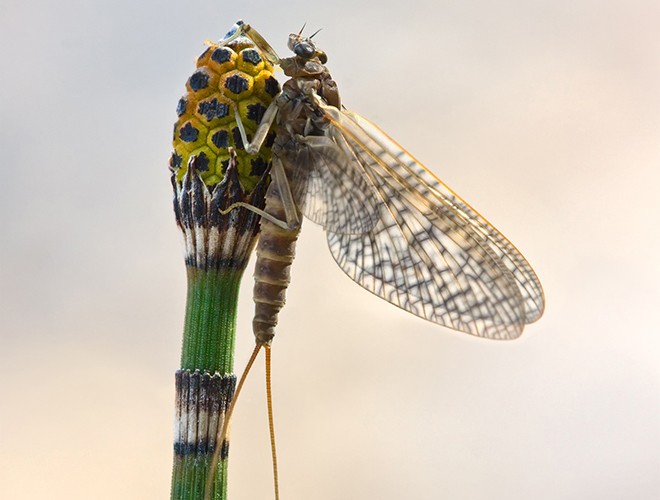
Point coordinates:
[[275, 251]]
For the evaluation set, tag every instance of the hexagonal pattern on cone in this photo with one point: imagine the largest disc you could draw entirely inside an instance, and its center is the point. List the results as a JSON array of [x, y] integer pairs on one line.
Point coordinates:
[[228, 79]]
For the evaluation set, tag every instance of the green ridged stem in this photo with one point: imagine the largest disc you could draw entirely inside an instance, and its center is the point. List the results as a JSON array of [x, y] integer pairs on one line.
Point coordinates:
[[210, 324], [208, 346], [189, 478]]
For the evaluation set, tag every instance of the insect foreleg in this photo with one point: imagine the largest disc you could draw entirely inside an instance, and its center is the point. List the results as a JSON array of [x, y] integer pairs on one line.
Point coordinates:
[[256, 210], [278, 176], [242, 29], [280, 181], [262, 130]]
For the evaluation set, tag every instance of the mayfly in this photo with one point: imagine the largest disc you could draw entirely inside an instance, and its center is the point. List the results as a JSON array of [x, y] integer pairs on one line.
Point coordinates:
[[392, 226]]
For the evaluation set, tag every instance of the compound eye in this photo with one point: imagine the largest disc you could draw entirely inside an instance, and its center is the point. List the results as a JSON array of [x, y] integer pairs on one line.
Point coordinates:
[[304, 50]]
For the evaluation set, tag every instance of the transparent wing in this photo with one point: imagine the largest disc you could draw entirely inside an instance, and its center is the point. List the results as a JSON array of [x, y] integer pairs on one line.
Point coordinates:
[[430, 253], [340, 200]]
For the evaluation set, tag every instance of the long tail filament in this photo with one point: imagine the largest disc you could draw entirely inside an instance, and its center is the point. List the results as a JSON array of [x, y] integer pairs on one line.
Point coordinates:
[[271, 425], [222, 435]]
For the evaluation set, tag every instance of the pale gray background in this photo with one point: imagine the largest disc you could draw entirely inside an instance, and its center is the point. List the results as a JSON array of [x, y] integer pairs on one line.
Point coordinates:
[[545, 115]]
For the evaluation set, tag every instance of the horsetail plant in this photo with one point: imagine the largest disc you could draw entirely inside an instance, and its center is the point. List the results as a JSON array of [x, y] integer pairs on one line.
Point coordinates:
[[210, 170]]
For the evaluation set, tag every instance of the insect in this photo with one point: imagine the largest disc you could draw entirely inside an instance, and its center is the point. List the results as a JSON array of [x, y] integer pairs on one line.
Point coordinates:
[[391, 225]]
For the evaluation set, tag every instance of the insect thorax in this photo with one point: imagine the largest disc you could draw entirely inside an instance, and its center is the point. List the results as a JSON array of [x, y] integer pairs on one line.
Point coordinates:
[[310, 74], [298, 113]]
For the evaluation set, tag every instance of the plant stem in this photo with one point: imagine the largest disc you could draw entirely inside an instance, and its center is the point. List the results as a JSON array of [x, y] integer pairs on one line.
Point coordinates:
[[205, 384], [210, 324], [211, 170]]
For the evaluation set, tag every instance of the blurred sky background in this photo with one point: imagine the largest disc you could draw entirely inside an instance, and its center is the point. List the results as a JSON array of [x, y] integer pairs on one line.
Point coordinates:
[[544, 115]]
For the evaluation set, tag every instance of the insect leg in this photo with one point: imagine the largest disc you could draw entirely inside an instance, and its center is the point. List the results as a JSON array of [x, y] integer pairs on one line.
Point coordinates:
[[252, 34], [278, 177], [263, 128], [256, 210]]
